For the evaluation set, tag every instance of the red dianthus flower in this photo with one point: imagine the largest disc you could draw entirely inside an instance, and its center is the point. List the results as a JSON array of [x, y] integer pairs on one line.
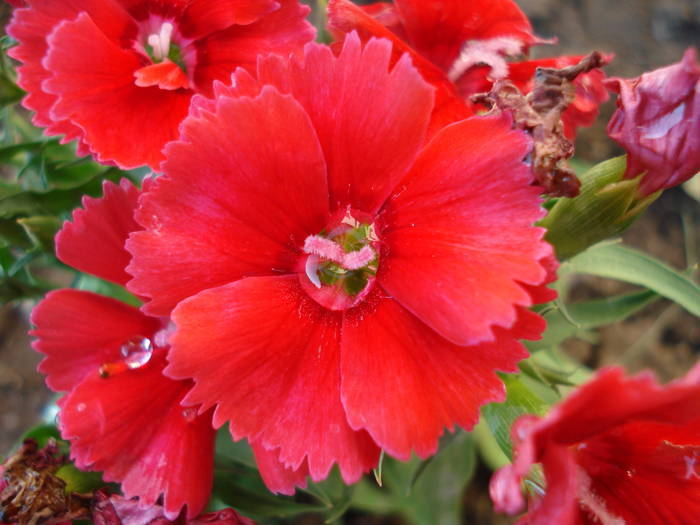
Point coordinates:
[[462, 47], [119, 74], [122, 415], [617, 451], [658, 123], [339, 285]]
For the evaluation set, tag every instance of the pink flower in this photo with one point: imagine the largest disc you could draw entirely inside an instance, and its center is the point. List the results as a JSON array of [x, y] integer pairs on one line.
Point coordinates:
[[616, 451], [277, 190], [118, 75], [121, 414], [658, 123], [463, 47]]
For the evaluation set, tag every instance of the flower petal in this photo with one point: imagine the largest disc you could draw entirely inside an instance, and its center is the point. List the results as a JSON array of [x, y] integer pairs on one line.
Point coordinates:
[[94, 241], [131, 427], [404, 383], [245, 186], [93, 80], [79, 331], [282, 350], [460, 237], [370, 121], [439, 28], [278, 478], [203, 17], [30, 27], [283, 31], [345, 17]]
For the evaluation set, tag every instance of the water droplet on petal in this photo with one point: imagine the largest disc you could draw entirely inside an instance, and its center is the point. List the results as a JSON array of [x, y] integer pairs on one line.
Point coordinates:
[[190, 414], [80, 407], [137, 352]]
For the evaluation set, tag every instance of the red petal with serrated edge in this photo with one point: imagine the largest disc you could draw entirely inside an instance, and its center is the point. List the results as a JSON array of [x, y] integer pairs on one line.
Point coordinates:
[[439, 28], [405, 384], [30, 27], [131, 427], [95, 89], [283, 31], [364, 108], [345, 17], [252, 208], [283, 349], [203, 17], [93, 242], [79, 331], [460, 236], [278, 478]]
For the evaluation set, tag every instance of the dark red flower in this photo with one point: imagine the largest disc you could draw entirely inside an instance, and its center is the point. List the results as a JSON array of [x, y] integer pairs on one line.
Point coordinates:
[[117, 510], [113, 73], [463, 47], [342, 285], [616, 451], [658, 123], [121, 414]]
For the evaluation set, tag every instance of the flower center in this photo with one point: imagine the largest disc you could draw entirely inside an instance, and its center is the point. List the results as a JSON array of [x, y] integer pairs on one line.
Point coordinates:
[[342, 263], [168, 68]]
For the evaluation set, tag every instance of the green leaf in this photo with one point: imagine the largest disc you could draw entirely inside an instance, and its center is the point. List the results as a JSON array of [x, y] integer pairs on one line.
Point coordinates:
[[94, 284], [586, 315], [499, 417], [425, 493], [41, 434], [615, 261], [9, 92], [238, 452], [41, 230], [242, 489]]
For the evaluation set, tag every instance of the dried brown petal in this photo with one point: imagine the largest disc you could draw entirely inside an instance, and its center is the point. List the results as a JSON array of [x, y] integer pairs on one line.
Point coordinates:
[[540, 114], [32, 494]]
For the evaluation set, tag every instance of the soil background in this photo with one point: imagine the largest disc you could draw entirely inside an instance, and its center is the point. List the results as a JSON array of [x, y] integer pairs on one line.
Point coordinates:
[[643, 35]]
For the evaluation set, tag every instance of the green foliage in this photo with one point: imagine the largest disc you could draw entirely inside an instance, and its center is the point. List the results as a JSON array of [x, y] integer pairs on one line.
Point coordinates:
[[424, 493], [616, 261]]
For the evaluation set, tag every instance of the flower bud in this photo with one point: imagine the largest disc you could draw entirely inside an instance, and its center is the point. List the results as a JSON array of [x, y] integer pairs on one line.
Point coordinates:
[[658, 123], [606, 206]]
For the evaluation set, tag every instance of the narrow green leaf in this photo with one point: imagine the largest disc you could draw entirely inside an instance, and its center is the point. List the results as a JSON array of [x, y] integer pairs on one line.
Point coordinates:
[[615, 261], [586, 315]]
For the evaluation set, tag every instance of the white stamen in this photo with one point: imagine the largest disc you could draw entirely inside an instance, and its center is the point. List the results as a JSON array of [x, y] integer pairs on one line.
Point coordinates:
[[154, 42], [160, 42], [166, 32]]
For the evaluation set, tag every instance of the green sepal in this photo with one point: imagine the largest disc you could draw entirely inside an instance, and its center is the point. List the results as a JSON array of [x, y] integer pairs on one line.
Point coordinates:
[[606, 206]]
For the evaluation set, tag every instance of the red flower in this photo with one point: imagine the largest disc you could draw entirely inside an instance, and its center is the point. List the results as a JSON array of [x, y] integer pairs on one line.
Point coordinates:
[[463, 47], [113, 73], [658, 123], [122, 415], [342, 285], [617, 451]]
